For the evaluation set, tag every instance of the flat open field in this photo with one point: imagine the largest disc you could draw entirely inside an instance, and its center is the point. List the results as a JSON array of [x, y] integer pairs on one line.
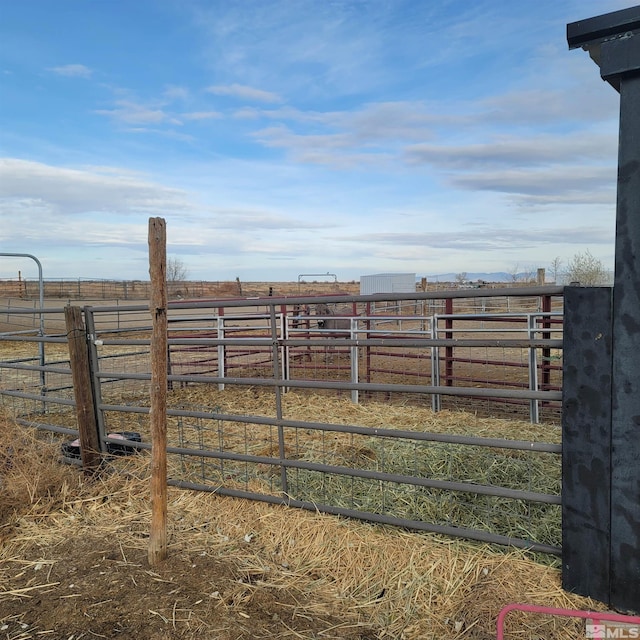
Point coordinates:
[[137, 289]]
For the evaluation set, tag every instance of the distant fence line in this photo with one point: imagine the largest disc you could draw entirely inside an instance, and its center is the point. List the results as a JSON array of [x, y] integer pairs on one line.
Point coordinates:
[[106, 289], [96, 289]]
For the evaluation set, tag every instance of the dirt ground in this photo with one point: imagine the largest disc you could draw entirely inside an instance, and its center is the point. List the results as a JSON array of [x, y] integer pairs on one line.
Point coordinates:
[[95, 587], [73, 564]]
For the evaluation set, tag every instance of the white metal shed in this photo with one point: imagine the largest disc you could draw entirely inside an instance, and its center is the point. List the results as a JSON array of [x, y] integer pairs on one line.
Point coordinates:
[[388, 283]]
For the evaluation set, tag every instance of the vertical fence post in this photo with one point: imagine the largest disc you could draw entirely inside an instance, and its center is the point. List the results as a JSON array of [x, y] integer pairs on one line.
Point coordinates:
[[157, 550], [625, 435], [222, 368], [534, 406], [367, 326], [275, 351], [436, 399], [85, 409], [546, 335], [613, 41], [354, 360], [586, 442], [448, 351], [284, 350], [94, 369]]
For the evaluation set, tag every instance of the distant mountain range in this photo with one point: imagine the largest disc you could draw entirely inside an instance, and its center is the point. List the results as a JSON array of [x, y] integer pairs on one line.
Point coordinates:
[[497, 276]]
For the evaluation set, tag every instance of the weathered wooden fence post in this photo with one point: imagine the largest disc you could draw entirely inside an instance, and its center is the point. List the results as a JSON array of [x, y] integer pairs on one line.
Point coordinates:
[[81, 375], [157, 550]]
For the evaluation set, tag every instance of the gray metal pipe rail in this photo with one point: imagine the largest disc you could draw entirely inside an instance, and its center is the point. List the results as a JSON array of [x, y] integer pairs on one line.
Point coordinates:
[[446, 530], [478, 392], [423, 436], [530, 292]]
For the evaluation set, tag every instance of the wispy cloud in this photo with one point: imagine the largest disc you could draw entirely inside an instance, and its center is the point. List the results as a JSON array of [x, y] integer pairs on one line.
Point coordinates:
[[488, 239], [72, 71], [71, 192], [201, 115], [510, 151], [547, 181], [243, 92], [134, 113], [76, 191], [318, 134], [541, 106], [173, 92]]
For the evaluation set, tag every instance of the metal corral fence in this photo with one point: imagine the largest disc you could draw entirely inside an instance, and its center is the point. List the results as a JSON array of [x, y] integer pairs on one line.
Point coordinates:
[[262, 403]]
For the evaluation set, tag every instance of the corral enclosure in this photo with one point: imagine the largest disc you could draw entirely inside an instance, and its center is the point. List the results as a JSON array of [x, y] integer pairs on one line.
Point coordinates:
[[264, 403]]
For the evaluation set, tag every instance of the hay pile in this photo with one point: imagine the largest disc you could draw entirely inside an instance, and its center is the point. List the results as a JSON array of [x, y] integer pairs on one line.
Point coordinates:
[[73, 561], [519, 470]]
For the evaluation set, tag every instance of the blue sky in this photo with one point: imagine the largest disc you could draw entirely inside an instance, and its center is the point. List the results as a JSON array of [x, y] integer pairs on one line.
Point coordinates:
[[284, 137]]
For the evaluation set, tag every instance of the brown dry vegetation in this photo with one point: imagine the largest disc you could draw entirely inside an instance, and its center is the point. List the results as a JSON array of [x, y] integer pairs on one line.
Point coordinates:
[[97, 289], [73, 563]]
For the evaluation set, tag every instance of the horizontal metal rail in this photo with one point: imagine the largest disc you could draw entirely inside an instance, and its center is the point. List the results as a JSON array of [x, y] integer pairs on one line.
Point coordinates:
[[429, 483], [425, 436], [382, 476], [478, 392], [523, 343], [38, 397], [503, 292], [43, 426], [419, 525]]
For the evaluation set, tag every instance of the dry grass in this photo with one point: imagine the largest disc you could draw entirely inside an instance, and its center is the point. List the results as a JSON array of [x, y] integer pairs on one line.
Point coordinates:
[[324, 576], [519, 470]]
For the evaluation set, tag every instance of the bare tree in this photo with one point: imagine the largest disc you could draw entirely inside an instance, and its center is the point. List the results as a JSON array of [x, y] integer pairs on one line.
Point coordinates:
[[461, 277], [527, 274], [586, 269], [176, 278], [556, 268], [176, 270]]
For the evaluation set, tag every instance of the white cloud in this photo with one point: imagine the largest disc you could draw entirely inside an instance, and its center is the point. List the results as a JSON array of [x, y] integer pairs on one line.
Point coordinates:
[[510, 151], [72, 71], [371, 134], [173, 92], [545, 181], [244, 93], [41, 191], [134, 113], [543, 106], [64, 191], [201, 115], [485, 239]]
